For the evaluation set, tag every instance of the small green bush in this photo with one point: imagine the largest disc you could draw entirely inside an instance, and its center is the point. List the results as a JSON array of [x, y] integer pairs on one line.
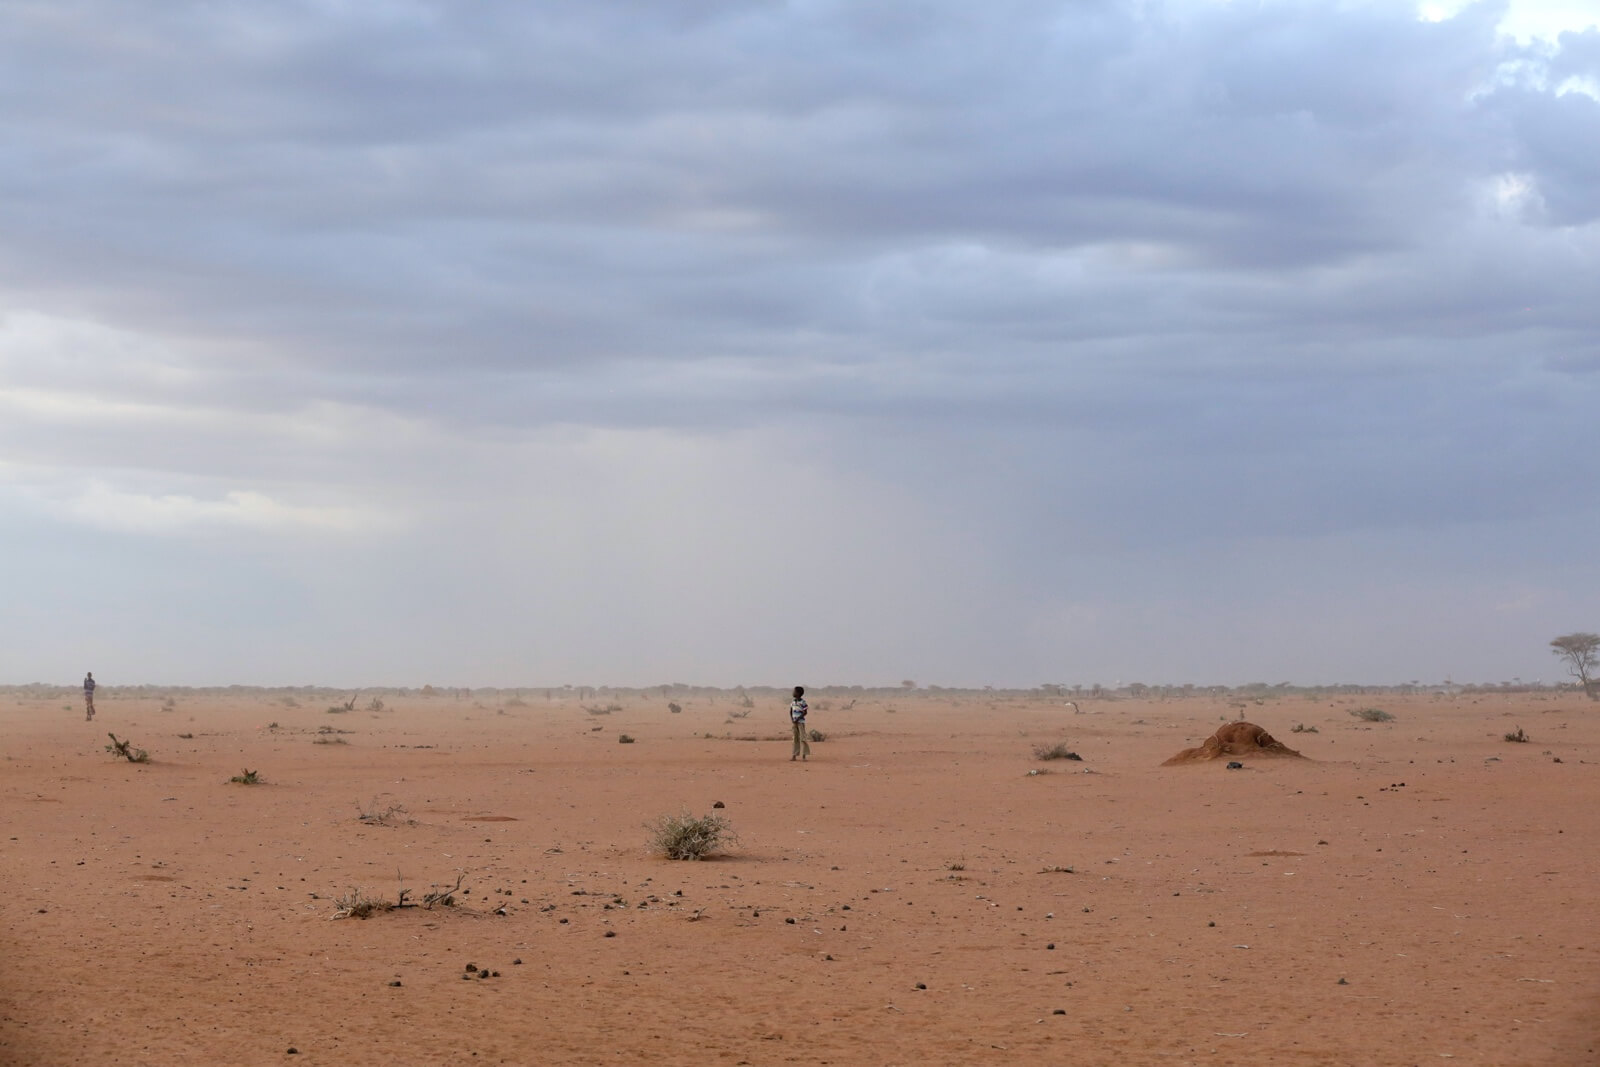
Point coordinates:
[[1372, 715]]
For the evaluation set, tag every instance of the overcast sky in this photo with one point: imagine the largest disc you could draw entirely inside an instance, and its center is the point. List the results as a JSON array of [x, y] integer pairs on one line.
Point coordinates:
[[744, 341]]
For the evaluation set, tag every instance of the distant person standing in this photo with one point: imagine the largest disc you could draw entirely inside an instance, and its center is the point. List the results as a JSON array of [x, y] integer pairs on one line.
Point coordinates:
[[797, 719], [88, 696]]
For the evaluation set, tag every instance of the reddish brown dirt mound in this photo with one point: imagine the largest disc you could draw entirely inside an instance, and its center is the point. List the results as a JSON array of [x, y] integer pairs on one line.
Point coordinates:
[[1235, 739]]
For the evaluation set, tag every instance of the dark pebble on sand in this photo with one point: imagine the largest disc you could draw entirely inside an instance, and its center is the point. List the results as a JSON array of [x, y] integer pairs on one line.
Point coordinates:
[[922, 985], [292, 1051], [1059, 1011], [611, 933], [517, 962], [469, 968], [789, 921], [395, 983], [719, 804]]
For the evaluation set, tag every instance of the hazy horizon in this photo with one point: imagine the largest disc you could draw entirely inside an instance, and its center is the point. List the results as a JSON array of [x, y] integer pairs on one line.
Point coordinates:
[[728, 338]]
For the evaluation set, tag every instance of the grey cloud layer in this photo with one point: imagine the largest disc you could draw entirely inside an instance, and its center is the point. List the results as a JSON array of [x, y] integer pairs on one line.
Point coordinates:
[[560, 182], [1139, 275]]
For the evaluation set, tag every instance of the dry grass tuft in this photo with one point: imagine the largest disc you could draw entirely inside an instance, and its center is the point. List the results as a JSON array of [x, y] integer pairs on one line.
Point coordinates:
[[1056, 751], [1372, 715], [687, 837], [357, 905]]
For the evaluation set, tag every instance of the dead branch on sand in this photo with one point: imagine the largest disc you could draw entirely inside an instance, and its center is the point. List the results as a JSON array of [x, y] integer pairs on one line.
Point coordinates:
[[356, 904], [126, 750]]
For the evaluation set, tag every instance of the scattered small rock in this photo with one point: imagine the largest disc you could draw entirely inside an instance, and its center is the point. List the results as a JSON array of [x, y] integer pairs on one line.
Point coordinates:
[[395, 983], [611, 933], [470, 968], [1235, 765], [517, 962], [719, 804], [922, 985]]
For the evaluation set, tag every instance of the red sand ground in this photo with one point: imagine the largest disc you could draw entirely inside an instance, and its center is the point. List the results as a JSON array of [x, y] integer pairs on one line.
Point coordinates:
[[156, 914]]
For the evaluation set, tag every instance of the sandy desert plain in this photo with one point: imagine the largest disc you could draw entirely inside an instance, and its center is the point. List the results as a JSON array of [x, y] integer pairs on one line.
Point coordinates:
[[1419, 891]]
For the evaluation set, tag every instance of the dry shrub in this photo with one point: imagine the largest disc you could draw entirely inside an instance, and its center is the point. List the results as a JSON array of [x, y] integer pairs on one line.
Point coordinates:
[[357, 905], [246, 777], [624, 739], [126, 750], [1517, 735], [688, 837], [374, 815], [1372, 715], [1056, 751]]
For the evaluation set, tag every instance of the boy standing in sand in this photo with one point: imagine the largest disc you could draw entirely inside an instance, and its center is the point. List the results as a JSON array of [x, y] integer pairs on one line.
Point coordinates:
[[88, 696], [797, 718]]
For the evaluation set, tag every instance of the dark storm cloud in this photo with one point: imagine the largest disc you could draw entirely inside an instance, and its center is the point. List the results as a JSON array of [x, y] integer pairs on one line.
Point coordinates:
[[398, 176]]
